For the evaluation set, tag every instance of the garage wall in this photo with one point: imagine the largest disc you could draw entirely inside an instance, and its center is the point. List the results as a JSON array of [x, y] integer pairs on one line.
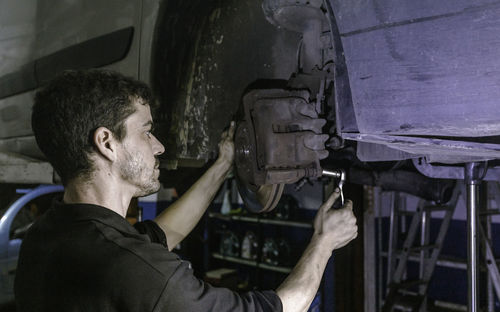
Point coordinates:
[[17, 33]]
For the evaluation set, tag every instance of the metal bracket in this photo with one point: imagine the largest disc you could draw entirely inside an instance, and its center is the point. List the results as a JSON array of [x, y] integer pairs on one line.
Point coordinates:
[[451, 172]]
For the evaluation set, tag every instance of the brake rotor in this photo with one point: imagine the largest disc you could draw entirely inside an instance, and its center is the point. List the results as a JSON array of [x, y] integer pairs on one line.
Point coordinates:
[[257, 198], [261, 198]]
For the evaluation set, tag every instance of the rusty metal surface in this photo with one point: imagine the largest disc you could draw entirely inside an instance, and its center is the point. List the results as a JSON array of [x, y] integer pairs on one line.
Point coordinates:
[[285, 138], [279, 141], [260, 199], [307, 18], [269, 196], [207, 53], [280, 138]]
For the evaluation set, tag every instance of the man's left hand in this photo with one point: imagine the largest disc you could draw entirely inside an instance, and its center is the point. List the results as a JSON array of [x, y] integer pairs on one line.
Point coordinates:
[[226, 145]]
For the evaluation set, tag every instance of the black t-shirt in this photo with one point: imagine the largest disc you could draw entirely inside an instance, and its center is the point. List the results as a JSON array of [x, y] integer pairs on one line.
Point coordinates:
[[83, 257]]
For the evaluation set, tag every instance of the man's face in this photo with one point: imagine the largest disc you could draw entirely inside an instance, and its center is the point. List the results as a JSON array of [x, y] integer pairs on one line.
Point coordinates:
[[138, 162]]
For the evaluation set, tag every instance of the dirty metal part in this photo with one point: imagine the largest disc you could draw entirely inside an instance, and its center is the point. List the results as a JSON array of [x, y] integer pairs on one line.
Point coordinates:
[[244, 150], [300, 184], [260, 199], [315, 56], [199, 44], [306, 17], [437, 150], [269, 195], [335, 143], [343, 109], [450, 172], [321, 61], [279, 141], [439, 190]]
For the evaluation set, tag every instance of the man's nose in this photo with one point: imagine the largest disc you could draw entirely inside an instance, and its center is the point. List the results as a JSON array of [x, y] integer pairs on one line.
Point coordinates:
[[158, 148]]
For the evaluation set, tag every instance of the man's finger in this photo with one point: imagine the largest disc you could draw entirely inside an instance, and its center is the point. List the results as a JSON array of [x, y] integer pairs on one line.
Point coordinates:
[[333, 197], [230, 132], [324, 208], [348, 204], [351, 220]]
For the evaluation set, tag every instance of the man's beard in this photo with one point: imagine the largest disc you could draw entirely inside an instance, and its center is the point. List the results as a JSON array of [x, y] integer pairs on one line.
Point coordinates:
[[135, 171]]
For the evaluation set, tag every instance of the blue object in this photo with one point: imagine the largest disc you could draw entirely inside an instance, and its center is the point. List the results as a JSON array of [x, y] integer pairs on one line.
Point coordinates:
[[148, 210], [9, 248]]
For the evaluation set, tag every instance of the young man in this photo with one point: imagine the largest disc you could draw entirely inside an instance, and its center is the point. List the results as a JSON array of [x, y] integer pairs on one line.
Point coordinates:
[[82, 255]]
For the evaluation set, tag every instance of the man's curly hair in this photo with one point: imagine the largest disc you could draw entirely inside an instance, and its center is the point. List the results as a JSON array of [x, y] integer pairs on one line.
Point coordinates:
[[69, 109]]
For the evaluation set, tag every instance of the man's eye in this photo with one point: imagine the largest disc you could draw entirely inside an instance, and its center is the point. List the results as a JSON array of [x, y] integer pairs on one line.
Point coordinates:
[[148, 133]]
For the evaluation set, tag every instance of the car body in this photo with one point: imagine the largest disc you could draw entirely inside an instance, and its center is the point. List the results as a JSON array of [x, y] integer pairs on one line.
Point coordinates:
[[15, 220], [409, 80]]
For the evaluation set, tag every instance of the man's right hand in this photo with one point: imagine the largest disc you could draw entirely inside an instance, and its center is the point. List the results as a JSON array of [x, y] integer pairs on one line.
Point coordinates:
[[335, 228], [332, 229]]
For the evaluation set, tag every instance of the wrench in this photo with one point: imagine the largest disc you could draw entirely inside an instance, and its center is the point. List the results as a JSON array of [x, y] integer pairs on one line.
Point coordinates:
[[339, 174]]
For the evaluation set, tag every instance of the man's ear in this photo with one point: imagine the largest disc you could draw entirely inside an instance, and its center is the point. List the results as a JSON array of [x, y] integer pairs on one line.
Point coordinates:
[[105, 143]]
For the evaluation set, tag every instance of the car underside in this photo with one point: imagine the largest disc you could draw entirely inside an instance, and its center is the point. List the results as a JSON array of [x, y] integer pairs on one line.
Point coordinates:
[[402, 95], [381, 90]]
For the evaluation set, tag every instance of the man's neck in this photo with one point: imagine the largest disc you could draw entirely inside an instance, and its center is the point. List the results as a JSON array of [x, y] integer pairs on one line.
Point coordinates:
[[97, 192]]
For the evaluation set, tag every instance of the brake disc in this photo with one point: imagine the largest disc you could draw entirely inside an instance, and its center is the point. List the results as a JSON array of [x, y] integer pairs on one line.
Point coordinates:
[[258, 198], [261, 198]]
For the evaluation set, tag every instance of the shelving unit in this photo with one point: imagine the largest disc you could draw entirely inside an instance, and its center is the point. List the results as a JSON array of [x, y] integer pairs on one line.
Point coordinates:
[[257, 220], [252, 263], [260, 220], [265, 269]]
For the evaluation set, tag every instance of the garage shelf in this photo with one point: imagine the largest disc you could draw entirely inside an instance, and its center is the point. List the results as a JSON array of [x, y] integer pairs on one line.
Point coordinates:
[[252, 263], [259, 220]]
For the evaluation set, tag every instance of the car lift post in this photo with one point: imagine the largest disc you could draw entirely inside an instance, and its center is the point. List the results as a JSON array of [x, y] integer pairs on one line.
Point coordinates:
[[474, 173]]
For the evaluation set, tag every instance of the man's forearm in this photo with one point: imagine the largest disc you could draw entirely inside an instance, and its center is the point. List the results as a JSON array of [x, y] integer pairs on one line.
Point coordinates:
[[299, 288], [182, 216], [332, 229]]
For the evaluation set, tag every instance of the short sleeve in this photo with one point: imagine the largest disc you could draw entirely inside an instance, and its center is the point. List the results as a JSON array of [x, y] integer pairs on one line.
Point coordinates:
[[185, 292], [153, 230]]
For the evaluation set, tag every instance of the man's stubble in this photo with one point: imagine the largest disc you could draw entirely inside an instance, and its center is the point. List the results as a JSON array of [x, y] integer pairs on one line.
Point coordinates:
[[135, 170]]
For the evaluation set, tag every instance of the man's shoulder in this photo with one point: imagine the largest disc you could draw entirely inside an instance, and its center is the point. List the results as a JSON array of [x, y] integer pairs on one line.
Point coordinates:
[[95, 243], [138, 248]]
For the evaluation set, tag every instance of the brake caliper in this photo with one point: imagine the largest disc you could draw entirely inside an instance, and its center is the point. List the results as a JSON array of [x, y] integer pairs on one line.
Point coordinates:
[[278, 142]]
